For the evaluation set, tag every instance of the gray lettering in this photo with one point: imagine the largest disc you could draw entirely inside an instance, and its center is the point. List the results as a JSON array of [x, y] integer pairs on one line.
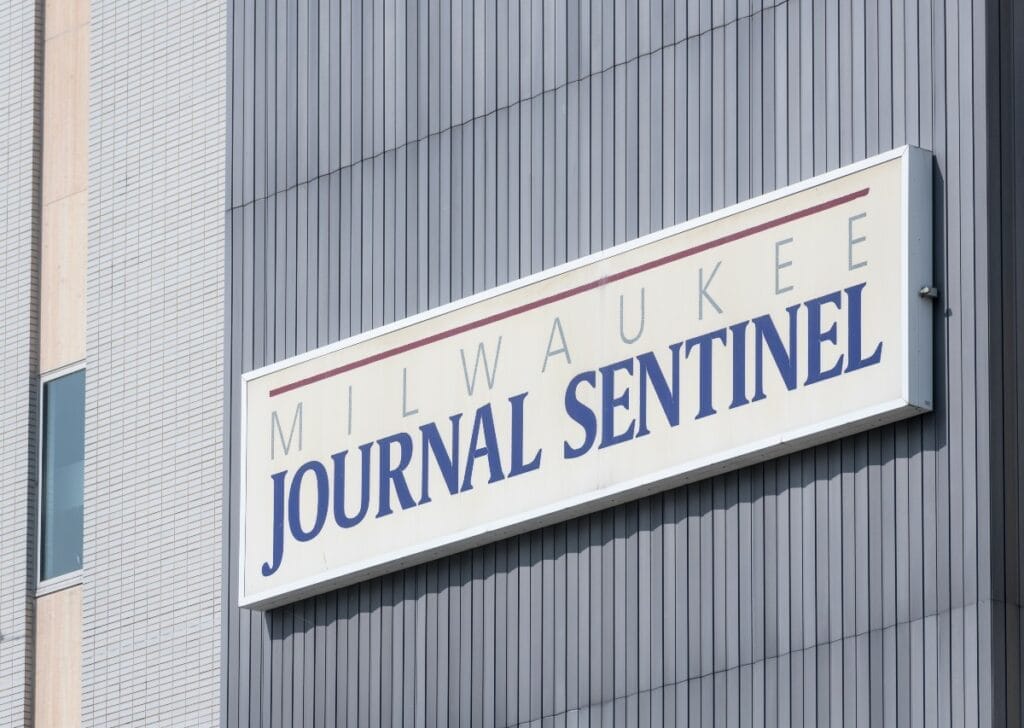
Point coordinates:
[[350, 409], [275, 426], [854, 241], [780, 264], [704, 291], [556, 326], [489, 373], [405, 397], [622, 317]]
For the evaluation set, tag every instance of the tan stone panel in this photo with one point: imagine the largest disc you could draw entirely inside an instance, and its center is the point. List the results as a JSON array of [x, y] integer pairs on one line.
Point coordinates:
[[65, 15], [58, 664], [62, 282], [66, 114]]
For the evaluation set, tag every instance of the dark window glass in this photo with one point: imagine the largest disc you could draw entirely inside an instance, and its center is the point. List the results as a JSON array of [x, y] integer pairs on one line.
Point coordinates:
[[63, 475]]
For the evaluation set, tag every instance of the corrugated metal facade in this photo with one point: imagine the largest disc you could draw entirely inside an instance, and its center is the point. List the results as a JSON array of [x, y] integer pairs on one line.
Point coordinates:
[[1006, 206], [387, 157]]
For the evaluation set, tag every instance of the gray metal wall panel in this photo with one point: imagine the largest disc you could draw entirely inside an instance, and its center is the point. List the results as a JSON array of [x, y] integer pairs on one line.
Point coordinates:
[[846, 581], [1003, 180]]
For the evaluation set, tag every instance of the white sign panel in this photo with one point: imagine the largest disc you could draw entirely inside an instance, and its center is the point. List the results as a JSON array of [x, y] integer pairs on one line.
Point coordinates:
[[775, 324]]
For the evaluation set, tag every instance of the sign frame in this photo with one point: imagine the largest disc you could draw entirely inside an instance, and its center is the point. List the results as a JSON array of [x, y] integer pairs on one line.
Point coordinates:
[[917, 329]]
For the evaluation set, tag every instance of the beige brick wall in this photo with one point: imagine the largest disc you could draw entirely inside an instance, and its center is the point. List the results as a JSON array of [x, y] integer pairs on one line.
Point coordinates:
[[58, 661], [65, 184], [63, 245]]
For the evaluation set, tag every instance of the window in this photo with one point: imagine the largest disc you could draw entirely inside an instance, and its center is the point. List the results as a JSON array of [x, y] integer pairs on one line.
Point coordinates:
[[62, 476]]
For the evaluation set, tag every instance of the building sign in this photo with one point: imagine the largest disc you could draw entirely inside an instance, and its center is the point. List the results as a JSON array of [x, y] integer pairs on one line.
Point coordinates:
[[761, 329]]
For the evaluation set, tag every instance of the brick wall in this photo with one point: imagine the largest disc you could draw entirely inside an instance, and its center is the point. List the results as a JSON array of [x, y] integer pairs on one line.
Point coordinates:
[[20, 94], [153, 479]]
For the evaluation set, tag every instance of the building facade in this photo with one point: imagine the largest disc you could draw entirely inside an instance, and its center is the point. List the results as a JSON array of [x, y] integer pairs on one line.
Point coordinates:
[[233, 184], [113, 237], [388, 159]]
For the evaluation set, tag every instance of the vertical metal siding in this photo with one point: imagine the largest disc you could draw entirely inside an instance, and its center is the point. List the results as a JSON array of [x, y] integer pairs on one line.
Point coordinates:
[[1002, 189], [433, 150]]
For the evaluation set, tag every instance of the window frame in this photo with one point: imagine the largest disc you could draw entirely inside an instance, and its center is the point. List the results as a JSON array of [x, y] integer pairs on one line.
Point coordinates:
[[72, 578]]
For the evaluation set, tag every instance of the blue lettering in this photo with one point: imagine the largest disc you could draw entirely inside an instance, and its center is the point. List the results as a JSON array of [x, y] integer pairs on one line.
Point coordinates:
[[657, 376], [609, 403], [518, 466], [483, 424], [785, 361], [739, 364], [856, 360], [668, 396], [816, 337], [340, 517], [704, 343], [393, 474], [581, 414], [277, 525], [447, 462], [322, 496]]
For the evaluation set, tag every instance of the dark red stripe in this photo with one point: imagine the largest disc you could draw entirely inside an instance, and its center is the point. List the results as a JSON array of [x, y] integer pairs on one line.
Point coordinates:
[[570, 292]]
